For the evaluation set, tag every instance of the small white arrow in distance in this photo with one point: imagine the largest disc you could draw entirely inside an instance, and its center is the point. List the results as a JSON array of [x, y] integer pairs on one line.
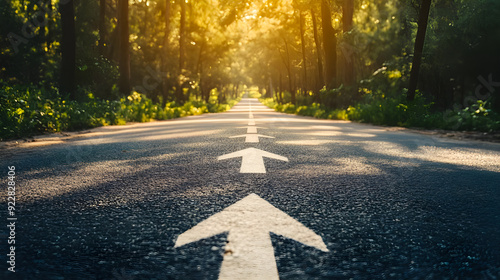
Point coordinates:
[[252, 138], [251, 129], [253, 159], [249, 252]]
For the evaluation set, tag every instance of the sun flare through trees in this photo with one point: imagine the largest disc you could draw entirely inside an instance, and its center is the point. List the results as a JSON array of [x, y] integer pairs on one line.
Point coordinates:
[[337, 54]]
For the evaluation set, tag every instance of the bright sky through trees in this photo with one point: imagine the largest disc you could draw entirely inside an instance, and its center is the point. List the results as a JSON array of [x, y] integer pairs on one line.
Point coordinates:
[[337, 53]]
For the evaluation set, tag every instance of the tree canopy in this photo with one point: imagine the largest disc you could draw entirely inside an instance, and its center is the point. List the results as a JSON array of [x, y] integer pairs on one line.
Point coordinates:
[[335, 52]]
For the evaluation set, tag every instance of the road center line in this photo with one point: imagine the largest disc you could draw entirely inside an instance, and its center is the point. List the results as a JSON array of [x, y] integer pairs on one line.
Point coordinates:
[[252, 129], [252, 138]]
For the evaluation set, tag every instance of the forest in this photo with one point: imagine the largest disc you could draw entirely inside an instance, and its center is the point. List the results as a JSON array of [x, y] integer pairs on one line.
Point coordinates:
[[74, 64]]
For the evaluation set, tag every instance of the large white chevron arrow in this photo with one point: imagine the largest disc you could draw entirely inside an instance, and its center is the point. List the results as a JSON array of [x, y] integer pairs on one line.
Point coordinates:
[[249, 252], [253, 159], [252, 138]]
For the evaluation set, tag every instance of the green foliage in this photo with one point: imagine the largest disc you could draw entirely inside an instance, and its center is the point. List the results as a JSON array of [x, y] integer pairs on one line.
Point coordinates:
[[393, 111], [338, 98], [477, 117], [220, 53], [315, 110], [29, 110], [254, 94], [99, 74], [399, 112], [419, 113]]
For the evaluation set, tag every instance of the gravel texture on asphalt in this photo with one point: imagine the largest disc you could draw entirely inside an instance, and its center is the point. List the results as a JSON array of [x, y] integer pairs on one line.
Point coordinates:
[[388, 204]]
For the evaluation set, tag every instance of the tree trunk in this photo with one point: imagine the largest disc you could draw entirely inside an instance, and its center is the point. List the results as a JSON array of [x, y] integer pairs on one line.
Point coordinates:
[[50, 25], [114, 45], [304, 56], [68, 48], [288, 65], [182, 45], [423, 19], [280, 91], [199, 71], [124, 61], [164, 56], [321, 78], [182, 35], [330, 45], [166, 18], [102, 27], [113, 48], [269, 92], [347, 16]]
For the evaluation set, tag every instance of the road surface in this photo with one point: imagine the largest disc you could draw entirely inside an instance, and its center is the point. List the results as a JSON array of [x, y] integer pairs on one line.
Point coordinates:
[[253, 194]]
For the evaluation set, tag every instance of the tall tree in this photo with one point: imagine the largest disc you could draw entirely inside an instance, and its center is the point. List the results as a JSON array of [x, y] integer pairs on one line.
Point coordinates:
[[423, 20], [329, 44], [286, 60], [318, 51], [166, 18], [102, 27], [347, 15], [164, 56], [68, 48], [49, 14], [304, 55], [182, 49], [182, 35], [347, 19], [124, 60]]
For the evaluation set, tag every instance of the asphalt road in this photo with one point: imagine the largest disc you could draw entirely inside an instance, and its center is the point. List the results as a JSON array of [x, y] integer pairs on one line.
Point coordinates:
[[387, 204]]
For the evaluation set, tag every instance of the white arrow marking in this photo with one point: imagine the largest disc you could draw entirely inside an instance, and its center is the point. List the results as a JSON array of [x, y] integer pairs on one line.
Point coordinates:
[[252, 129], [249, 252], [253, 159], [252, 138]]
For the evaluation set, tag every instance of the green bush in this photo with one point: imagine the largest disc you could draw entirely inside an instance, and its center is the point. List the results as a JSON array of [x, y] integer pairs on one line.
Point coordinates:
[[478, 117], [315, 110], [29, 110], [397, 111]]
